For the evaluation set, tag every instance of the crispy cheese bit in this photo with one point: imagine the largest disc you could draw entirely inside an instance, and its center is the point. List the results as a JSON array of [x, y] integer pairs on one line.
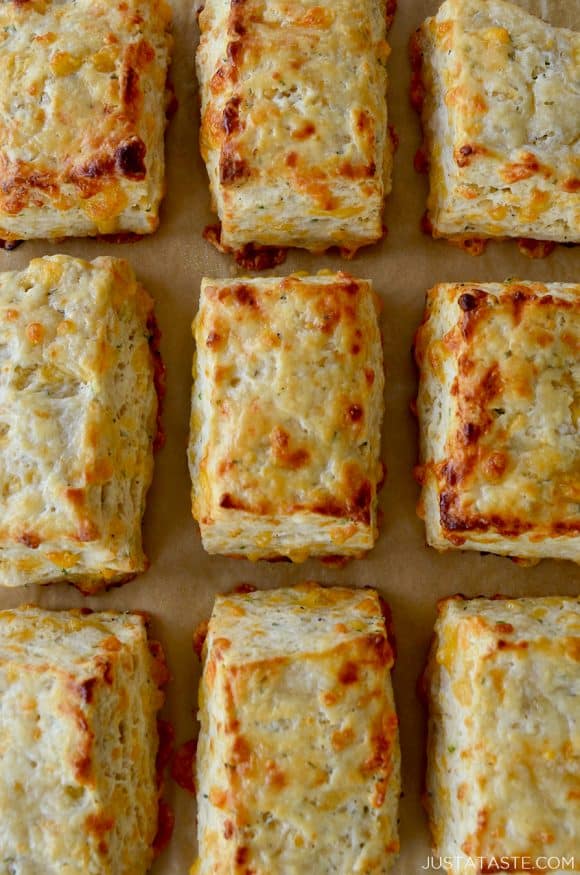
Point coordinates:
[[298, 754], [63, 63]]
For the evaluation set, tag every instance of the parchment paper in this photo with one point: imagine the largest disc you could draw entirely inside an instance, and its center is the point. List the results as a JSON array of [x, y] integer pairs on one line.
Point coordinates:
[[180, 585]]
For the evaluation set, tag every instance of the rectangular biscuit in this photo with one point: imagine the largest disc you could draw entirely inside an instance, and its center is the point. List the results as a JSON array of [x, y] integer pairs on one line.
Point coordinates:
[[79, 695], [293, 159], [503, 776], [498, 405], [78, 418], [83, 114], [298, 755], [500, 107], [287, 406]]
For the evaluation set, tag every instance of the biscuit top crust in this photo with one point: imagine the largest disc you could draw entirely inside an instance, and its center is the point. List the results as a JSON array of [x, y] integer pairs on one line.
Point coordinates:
[[504, 686], [75, 83], [273, 108], [74, 643], [508, 458], [289, 395], [511, 91], [488, 626], [301, 621]]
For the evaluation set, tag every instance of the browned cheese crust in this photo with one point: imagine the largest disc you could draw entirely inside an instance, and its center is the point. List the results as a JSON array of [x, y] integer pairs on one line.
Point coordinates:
[[499, 402], [82, 116]]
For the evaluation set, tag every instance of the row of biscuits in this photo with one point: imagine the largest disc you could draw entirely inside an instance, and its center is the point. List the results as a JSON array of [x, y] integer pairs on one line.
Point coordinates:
[[287, 409], [286, 419], [291, 160], [298, 763]]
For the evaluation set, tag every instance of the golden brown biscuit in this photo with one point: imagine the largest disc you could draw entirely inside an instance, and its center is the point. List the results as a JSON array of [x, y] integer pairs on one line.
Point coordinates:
[[298, 756], [286, 414], [498, 405], [294, 159], [78, 412], [500, 108], [82, 111], [79, 694], [503, 778]]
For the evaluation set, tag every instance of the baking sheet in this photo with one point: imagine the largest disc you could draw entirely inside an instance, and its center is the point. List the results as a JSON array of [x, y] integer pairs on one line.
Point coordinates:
[[181, 583]]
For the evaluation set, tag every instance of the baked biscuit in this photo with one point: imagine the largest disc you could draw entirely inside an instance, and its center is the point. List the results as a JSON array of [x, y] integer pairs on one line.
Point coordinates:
[[503, 776], [78, 411], [79, 694], [298, 754], [292, 159], [286, 414], [82, 110], [498, 405], [498, 91]]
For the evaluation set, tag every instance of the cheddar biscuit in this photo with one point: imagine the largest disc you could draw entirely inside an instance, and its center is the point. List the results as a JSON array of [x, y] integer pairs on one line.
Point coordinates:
[[503, 776], [292, 159], [298, 755], [78, 410], [500, 107], [79, 695], [286, 413], [82, 109], [498, 405]]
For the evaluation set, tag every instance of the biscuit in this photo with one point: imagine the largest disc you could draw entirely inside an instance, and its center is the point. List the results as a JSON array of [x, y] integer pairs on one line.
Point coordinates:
[[498, 94], [82, 109], [498, 406], [79, 694], [78, 418], [292, 159], [298, 755], [503, 777], [286, 412]]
